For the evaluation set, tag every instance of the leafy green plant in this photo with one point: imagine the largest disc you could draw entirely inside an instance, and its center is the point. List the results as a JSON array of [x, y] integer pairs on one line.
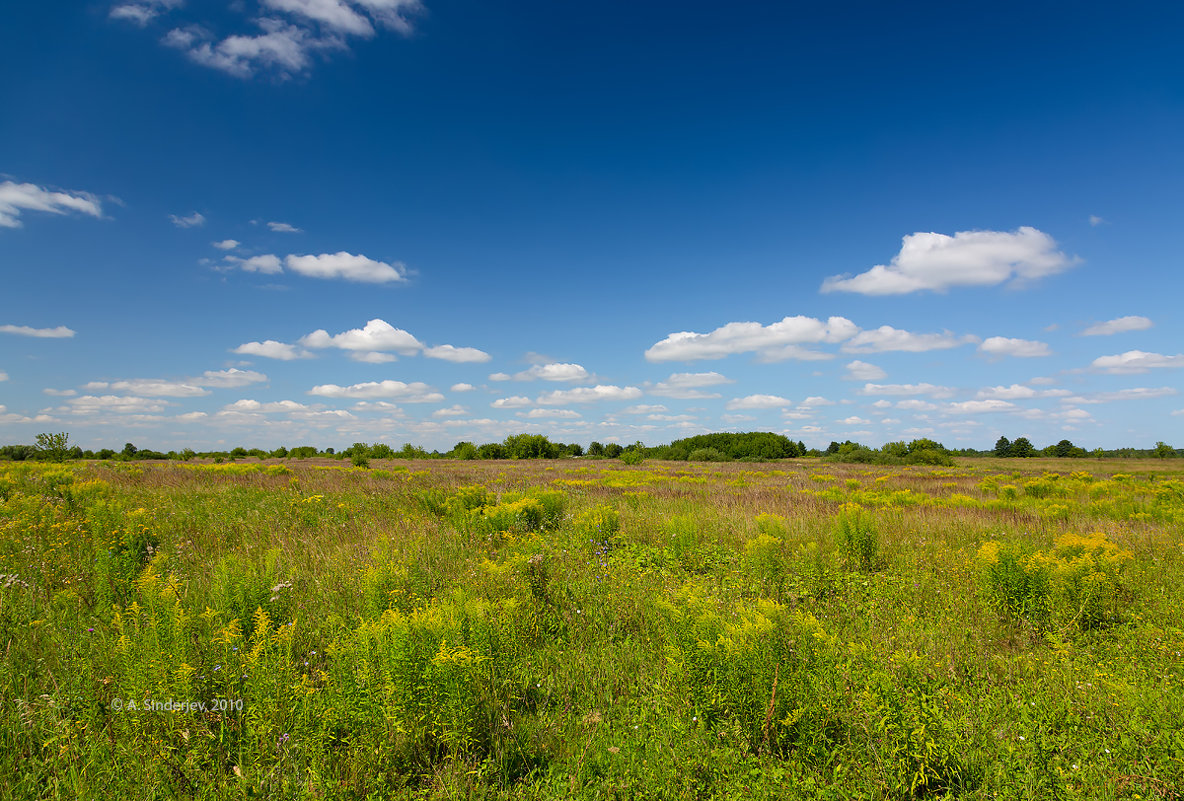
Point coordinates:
[[855, 534]]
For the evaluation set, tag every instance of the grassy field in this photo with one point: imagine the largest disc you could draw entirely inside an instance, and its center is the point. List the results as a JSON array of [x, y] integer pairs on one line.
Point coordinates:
[[582, 629]]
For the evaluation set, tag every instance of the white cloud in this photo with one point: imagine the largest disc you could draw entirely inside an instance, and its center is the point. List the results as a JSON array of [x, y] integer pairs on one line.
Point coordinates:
[[862, 371], [372, 357], [853, 421], [1132, 362], [886, 338], [229, 378], [916, 405], [292, 31], [815, 400], [141, 12], [500, 377], [932, 390], [462, 387], [514, 402], [346, 266], [1133, 393], [758, 402], [774, 342], [686, 386], [104, 404], [541, 414], [1119, 325], [1095, 220], [59, 393], [3, 376], [270, 349], [645, 408], [1014, 392], [737, 418], [600, 392], [1176, 413], [376, 335], [1020, 348], [267, 264], [17, 198], [459, 355], [284, 228], [226, 244], [939, 262], [981, 406], [451, 411], [61, 332], [194, 220], [555, 371], [415, 392]]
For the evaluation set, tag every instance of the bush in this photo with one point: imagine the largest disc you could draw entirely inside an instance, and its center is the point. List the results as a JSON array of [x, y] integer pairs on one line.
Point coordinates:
[[632, 457], [1079, 584], [707, 455], [856, 537]]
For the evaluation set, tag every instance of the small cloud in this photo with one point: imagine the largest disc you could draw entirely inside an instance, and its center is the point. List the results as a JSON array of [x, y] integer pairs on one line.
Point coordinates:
[[1095, 220], [415, 392], [270, 349], [1132, 362], [347, 266], [554, 371], [141, 12], [462, 387], [16, 199], [932, 390], [60, 332], [1119, 325], [853, 421], [556, 414], [284, 228], [600, 392], [500, 377], [194, 220], [981, 406], [758, 402], [816, 400], [774, 342], [59, 393], [450, 353], [862, 371], [1019, 348], [938, 263], [645, 408], [687, 386], [372, 357], [514, 402], [3, 376], [451, 411], [886, 338], [267, 264]]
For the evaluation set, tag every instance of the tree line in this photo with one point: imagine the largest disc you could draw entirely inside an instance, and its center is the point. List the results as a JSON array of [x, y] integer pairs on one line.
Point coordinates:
[[756, 446]]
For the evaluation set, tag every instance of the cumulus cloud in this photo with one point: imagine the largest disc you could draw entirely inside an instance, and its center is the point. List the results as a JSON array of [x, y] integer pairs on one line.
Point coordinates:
[[758, 402], [284, 228], [376, 335], [981, 406], [1119, 325], [862, 371], [1132, 362], [1021, 392], [183, 388], [514, 402], [544, 414], [60, 332], [141, 12], [15, 199], [1133, 393], [937, 262], [916, 405], [229, 378], [372, 357], [106, 404], [645, 408], [3, 376], [554, 371], [815, 400], [270, 349], [774, 342], [932, 390], [291, 32], [462, 387], [853, 421], [194, 220], [600, 392], [226, 244], [450, 353], [886, 338], [415, 392], [685, 386], [267, 264], [348, 267], [1020, 348], [451, 411]]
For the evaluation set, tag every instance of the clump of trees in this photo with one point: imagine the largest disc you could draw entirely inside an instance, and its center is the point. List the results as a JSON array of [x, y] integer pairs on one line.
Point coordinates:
[[919, 451], [753, 446]]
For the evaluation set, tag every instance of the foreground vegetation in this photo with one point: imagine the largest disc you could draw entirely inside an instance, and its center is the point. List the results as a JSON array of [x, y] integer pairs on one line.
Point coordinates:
[[478, 629]]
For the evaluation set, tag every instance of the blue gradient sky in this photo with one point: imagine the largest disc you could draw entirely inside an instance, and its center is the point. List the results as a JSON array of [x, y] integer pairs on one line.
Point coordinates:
[[556, 190]]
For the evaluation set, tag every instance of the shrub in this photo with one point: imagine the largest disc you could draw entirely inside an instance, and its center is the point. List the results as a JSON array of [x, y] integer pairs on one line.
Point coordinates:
[[1078, 584], [632, 457], [856, 536], [707, 455]]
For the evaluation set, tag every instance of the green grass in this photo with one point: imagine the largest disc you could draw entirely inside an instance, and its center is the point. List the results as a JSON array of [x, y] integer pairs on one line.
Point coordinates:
[[997, 629]]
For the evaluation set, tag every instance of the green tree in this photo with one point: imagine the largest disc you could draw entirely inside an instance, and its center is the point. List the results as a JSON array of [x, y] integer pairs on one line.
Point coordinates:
[[1023, 448], [1162, 449], [129, 450], [1003, 447], [56, 447]]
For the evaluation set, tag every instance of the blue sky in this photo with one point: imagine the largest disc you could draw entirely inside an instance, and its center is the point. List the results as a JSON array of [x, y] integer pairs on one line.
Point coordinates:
[[328, 221]]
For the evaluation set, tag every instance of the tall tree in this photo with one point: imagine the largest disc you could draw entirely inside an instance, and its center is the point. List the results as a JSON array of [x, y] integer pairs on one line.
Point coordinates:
[[1003, 447]]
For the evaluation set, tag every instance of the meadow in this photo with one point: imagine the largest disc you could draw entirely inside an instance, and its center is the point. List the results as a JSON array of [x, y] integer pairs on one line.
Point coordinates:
[[584, 629]]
